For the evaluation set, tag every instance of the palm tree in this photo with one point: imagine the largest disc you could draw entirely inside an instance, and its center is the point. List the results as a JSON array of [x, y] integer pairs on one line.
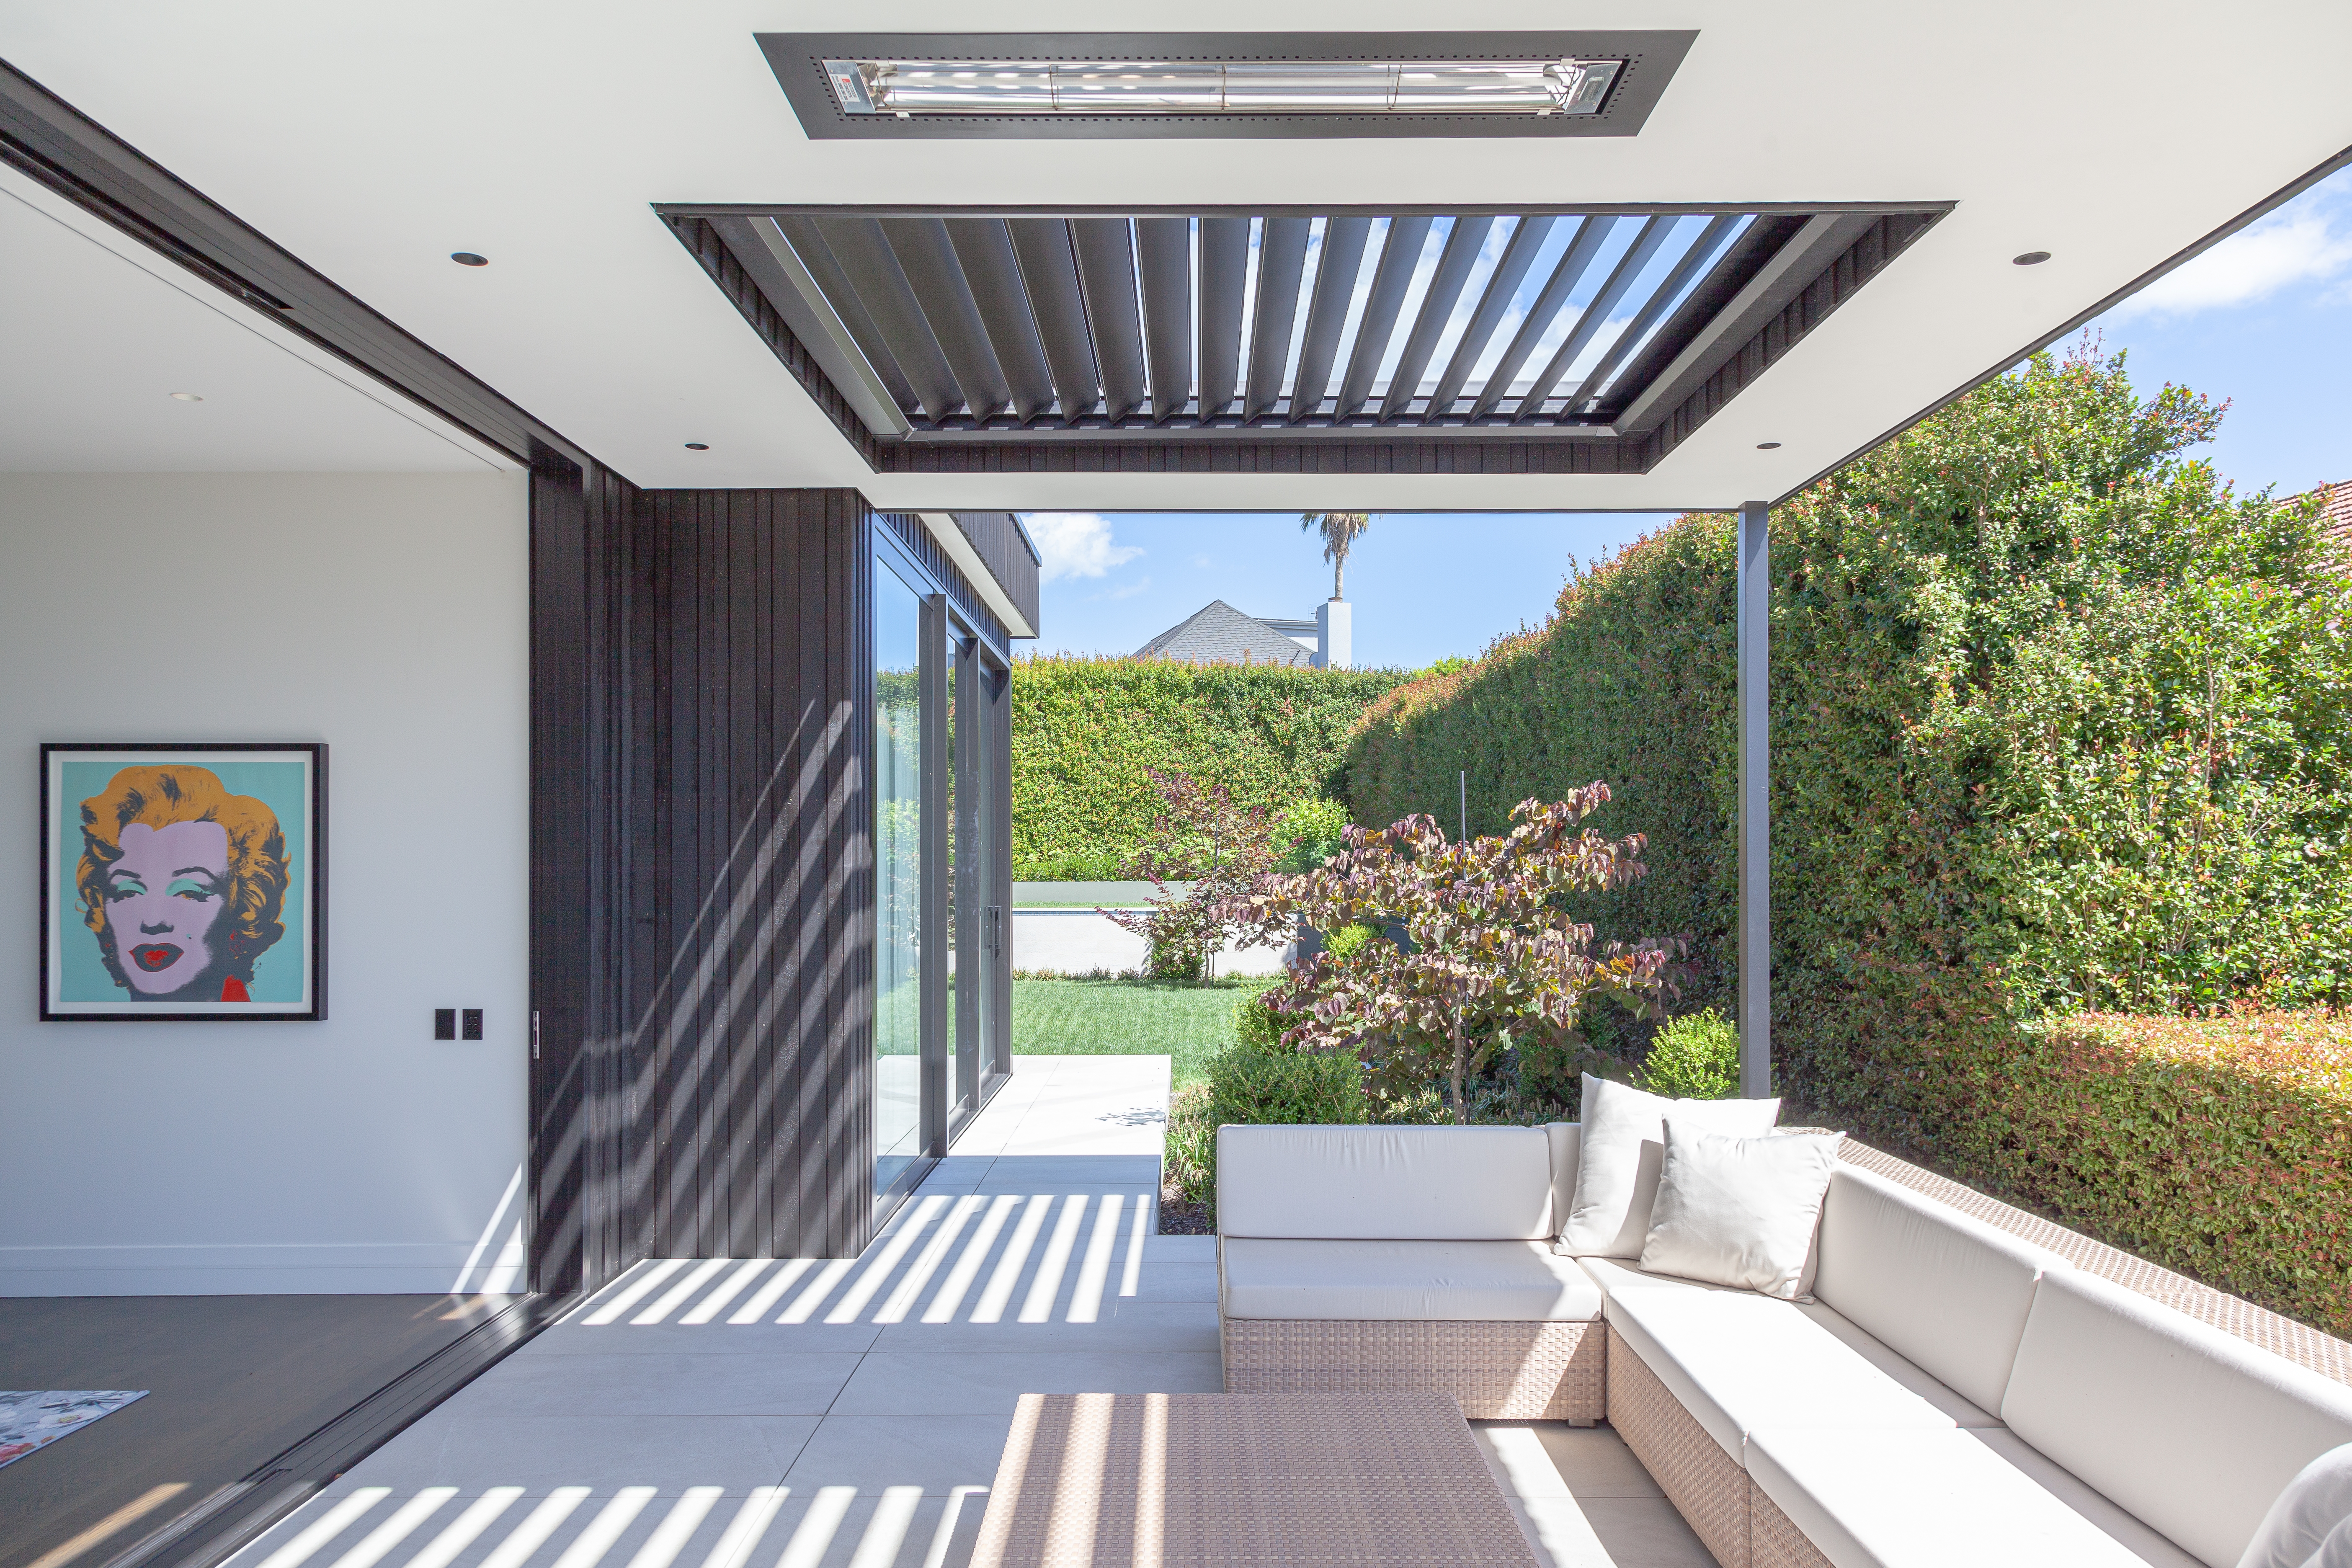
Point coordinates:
[[1340, 531]]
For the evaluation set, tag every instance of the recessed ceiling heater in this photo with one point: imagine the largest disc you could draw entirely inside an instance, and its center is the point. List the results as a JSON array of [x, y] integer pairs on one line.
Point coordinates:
[[907, 88]]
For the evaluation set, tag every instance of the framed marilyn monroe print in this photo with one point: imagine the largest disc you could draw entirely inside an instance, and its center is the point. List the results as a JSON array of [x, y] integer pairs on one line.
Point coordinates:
[[184, 882]]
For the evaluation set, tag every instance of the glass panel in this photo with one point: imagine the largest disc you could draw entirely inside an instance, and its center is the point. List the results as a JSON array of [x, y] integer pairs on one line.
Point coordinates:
[[949, 884], [897, 878]]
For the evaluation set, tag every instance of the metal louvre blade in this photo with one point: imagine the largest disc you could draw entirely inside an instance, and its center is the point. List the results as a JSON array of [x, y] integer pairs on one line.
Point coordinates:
[[985, 248], [1327, 316], [873, 271], [1653, 307], [1390, 281], [832, 282], [1106, 249], [1517, 257], [1225, 288], [1049, 275], [1565, 274], [1596, 314], [1454, 266], [1163, 257], [1281, 260], [943, 295]]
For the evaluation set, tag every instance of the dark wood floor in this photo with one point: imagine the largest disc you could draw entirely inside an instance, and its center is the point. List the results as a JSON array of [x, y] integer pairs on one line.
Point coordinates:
[[232, 1380]]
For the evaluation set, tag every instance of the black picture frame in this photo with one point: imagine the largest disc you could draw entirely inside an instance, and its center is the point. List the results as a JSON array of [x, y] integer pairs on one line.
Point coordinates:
[[308, 872]]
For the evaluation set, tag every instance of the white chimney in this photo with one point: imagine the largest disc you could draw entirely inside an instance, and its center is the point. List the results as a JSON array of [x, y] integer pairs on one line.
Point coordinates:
[[1333, 620]]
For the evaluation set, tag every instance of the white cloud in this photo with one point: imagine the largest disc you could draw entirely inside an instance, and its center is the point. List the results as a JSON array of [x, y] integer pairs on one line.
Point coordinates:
[[1075, 544], [2286, 248]]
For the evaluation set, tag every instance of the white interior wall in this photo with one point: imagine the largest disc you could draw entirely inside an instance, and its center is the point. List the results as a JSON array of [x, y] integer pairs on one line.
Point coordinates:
[[386, 615]]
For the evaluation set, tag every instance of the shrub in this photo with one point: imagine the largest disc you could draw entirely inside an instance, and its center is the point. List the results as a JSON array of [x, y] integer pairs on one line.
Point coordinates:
[[1087, 731], [1256, 1081], [1695, 1057], [1307, 833]]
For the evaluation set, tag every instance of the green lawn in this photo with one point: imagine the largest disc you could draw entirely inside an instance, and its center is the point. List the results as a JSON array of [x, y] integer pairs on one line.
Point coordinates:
[[1125, 1017]]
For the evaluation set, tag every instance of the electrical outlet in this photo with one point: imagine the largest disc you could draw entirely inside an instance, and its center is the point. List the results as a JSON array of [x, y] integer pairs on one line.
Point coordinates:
[[473, 1023], [444, 1023]]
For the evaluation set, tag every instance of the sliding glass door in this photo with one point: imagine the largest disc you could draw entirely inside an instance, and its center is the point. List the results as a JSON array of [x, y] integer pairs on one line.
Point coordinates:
[[898, 881], [942, 869]]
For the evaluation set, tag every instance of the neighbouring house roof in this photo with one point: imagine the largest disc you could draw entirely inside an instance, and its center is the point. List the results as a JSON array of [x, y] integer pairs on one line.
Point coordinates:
[[1218, 633], [2335, 510]]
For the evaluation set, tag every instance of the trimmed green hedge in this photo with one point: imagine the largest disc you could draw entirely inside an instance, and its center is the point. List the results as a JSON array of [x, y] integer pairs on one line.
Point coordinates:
[[1084, 731], [2058, 725], [2218, 1147]]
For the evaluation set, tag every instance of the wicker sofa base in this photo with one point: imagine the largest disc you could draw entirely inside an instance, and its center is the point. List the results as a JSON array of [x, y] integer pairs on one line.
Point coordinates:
[[1705, 1485], [1774, 1540], [1498, 1371]]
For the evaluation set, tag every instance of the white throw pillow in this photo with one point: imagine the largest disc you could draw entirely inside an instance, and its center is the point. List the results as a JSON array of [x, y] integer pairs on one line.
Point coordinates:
[[1622, 1146], [2310, 1520], [1738, 1211]]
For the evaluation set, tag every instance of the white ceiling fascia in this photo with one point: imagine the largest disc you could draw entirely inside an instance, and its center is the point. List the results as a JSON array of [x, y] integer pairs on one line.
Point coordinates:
[[93, 325], [372, 144], [942, 528]]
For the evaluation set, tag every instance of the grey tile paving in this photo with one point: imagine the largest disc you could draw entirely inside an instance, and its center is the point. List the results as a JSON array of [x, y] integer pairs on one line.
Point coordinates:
[[902, 1384], [873, 1453], [850, 1413], [624, 1384], [718, 1338], [604, 1453]]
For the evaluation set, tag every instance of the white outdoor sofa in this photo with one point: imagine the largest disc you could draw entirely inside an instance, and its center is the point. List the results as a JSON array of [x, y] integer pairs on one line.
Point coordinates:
[[1951, 1393]]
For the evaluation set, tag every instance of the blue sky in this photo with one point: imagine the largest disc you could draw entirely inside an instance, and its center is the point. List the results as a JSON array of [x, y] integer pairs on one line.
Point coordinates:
[[2264, 320]]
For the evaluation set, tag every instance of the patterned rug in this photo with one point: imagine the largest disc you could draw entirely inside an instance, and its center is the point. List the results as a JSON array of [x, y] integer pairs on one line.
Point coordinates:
[[30, 1419]]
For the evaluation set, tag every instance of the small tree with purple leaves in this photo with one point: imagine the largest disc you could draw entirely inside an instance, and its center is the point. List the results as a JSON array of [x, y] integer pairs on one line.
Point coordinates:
[[1477, 954]]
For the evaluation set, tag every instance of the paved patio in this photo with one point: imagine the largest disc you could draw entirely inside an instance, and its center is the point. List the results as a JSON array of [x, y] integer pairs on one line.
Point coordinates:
[[723, 1414]]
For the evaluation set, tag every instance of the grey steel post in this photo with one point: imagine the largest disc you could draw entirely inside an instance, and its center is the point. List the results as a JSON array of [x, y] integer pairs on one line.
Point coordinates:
[[1755, 801]]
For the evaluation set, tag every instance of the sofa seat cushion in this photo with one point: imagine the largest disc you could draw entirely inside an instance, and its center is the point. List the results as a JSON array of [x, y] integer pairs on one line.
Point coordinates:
[[1615, 1274], [1909, 1373], [1421, 1281], [1738, 1362], [2193, 1430], [1931, 1499]]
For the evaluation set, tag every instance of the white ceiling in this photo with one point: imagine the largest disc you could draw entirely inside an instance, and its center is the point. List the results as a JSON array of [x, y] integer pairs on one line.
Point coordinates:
[[373, 141], [100, 332]]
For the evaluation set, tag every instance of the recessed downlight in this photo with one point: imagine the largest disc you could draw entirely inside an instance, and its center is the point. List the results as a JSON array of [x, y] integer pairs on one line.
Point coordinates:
[[189, 396], [1768, 446], [2030, 258], [697, 446], [467, 258]]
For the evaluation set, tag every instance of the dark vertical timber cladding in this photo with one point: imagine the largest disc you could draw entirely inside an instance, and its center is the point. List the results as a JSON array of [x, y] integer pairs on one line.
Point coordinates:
[[702, 879], [757, 1018], [581, 528]]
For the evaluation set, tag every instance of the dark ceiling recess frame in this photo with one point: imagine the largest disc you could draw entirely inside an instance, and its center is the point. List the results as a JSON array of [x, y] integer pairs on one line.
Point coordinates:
[[1817, 268], [798, 60], [48, 141]]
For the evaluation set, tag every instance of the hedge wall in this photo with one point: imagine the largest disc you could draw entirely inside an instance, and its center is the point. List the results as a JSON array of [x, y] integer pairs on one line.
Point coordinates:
[[2220, 1147], [1084, 731], [2058, 725]]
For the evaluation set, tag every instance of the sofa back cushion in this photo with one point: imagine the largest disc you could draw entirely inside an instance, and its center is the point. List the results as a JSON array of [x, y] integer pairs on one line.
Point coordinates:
[[1566, 1139], [2194, 1430], [1385, 1184], [1946, 1291]]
